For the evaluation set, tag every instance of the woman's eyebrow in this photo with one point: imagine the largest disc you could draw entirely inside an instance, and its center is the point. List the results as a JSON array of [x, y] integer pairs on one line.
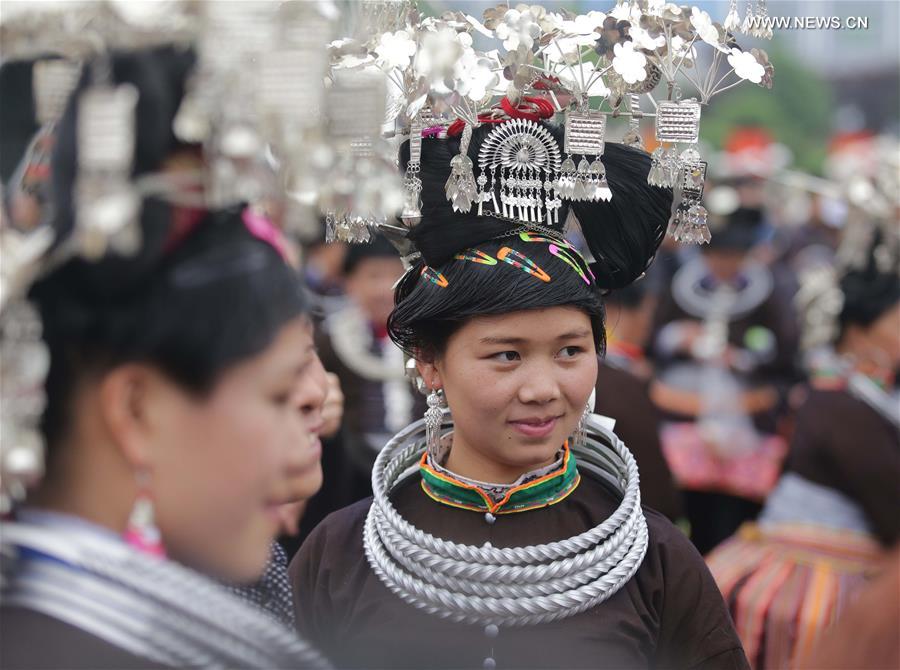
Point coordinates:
[[503, 340], [574, 334], [570, 335]]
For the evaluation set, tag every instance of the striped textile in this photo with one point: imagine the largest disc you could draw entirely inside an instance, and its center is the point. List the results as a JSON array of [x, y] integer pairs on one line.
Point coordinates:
[[785, 583]]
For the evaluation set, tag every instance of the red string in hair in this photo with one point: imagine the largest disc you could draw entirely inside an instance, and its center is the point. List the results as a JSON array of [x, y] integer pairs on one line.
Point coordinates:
[[544, 110]]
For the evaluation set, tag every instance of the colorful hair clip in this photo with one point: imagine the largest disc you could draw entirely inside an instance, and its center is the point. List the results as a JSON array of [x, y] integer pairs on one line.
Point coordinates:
[[476, 256], [527, 236], [434, 277], [565, 257], [524, 263]]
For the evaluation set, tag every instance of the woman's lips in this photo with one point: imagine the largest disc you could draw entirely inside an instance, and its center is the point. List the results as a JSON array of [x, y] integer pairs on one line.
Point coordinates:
[[535, 428]]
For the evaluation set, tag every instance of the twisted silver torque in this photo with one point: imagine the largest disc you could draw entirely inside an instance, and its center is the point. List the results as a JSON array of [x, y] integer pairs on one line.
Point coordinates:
[[155, 609], [517, 586]]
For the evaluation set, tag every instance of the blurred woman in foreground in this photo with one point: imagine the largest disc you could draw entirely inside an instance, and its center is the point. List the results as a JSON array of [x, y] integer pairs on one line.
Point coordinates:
[[184, 402]]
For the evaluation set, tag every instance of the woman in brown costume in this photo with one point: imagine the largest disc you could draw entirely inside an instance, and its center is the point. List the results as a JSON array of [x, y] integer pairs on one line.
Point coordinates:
[[511, 533], [834, 510]]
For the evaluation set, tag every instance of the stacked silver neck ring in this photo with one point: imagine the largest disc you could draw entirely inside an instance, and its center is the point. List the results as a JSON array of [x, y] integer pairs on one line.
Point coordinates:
[[517, 586], [152, 608]]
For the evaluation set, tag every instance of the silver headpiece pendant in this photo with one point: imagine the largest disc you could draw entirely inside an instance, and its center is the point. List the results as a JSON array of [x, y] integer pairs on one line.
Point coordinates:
[[585, 135], [523, 159]]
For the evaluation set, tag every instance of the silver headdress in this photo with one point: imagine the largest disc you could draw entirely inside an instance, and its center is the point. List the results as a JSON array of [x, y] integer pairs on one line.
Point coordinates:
[[870, 238], [587, 68], [255, 103]]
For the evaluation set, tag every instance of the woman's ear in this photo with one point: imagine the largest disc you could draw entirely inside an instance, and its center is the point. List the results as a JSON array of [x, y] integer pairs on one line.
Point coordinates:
[[430, 374], [131, 408]]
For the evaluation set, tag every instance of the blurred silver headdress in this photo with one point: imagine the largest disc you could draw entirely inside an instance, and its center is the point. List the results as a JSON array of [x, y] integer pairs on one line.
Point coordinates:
[[255, 103], [870, 236]]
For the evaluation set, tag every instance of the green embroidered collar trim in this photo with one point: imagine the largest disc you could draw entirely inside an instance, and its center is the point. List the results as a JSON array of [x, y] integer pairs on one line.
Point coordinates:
[[540, 492]]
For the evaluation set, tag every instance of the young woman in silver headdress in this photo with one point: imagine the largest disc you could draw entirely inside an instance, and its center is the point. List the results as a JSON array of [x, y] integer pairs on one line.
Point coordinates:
[[183, 402], [507, 531]]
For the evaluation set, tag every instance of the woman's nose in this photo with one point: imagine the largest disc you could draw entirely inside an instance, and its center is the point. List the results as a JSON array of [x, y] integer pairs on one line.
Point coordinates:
[[540, 386], [315, 388]]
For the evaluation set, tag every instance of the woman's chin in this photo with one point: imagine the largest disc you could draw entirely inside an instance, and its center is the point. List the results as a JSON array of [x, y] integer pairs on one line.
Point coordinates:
[[531, 456]]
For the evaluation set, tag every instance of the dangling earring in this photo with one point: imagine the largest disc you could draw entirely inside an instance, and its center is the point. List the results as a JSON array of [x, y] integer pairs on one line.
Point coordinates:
[[579, 437], [434, 417], [141, 531]]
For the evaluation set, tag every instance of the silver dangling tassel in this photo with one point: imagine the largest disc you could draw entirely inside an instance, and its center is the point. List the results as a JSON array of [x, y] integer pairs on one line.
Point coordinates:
[[598, 179], [565, 183], [689, 223], [656, 176], [749, 23], [461, 189], [585, 133], [412, 183], [672, 168], [763, 29], [434, 417], [733, 20], [582, 181], [579, 437]]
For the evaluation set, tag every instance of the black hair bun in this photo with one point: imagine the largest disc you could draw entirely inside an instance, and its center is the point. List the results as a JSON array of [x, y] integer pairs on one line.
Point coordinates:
[[622, 234], [625, 232]]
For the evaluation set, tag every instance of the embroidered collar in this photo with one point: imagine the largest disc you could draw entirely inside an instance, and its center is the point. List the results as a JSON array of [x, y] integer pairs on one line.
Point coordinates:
[[539, 488]]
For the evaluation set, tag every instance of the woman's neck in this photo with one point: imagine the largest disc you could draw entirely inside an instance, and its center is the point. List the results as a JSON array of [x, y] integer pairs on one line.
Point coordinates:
[[862, 360], [95, 494]]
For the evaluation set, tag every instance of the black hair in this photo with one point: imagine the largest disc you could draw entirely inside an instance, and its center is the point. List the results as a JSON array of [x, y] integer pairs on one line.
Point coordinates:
[[868, 293], [628, 297], [426, 315], [622, 234], [193, 309], [739, 231]]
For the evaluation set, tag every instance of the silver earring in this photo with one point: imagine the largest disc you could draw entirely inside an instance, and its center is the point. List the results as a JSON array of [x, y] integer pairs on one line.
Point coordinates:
[[434, 417], [579, 438]]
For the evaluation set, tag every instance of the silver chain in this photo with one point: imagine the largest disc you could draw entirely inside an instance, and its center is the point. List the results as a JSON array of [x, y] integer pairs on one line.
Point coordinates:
[[514, 586]]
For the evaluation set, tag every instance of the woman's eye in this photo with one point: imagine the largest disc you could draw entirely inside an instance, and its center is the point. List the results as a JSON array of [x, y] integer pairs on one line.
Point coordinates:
[[506, 356], [569, 352]]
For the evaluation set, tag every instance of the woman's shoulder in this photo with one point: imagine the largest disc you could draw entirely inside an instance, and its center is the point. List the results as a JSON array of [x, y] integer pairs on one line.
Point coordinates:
[[836, 415], [30, 639], [665, 535]]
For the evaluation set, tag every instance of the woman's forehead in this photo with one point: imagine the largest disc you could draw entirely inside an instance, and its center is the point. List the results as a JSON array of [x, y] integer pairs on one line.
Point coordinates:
[[531, 325]]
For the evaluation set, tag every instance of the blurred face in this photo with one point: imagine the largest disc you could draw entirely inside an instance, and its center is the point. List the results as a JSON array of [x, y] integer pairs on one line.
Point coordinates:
[[371, 287], [725, 265], [881, 340], [225, 463], [516, 384]]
